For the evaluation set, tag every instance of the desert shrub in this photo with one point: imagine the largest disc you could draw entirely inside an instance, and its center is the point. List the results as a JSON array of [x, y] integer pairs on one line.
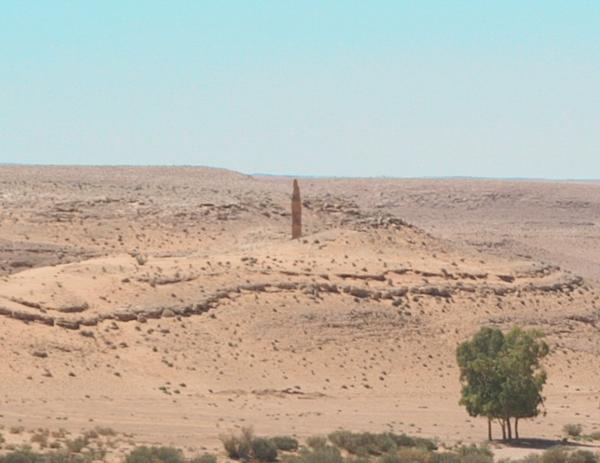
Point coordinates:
[[562, 455], [91, 434], [263, 449], [77, 445], [358, 460], [316, 442], [403, 440], [285, 443], [408, 455], [531, 458], [238, 447], [22, 456], [474, 454], [555, 455], [96, 454], [27, 456], [41, 438], [346, 440], [60, 434], [582, 456], [427, 444], [378, 444], [594, 436], [367, 443], [66, 457], [204, 458], [573, 430], [2, 440], [363, 443], [155, 455], [323, 454], [235, 449], [445, 457], [340, 439]]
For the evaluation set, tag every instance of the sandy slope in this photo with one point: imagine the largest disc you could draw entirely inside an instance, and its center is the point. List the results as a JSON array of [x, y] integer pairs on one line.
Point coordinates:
[[170, 302]]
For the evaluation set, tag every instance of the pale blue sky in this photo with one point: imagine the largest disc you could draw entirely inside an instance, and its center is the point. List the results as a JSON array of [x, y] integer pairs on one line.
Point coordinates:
[[346, 88]]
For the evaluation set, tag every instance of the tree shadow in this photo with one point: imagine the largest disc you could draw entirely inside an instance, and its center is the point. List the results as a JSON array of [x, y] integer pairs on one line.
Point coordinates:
[[542, 444]]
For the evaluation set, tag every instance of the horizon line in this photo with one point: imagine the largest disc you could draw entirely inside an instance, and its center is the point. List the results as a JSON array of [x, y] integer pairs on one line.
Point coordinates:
[[309, 176]]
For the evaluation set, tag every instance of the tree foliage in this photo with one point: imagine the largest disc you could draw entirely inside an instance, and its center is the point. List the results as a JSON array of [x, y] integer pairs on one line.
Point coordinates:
[[501, 375]]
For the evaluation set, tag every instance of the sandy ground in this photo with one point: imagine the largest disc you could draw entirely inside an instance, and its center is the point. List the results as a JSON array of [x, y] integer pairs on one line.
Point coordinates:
[[171, 305]]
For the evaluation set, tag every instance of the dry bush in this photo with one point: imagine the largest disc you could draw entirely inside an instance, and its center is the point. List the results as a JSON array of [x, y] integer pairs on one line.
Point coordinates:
[[155, 455], [323, 454], [408, 455], [28, 456], [573, 430], [285, 443], [555, 455], [316, 442], [238, 447], [204, 458], [41, 438], [364, 443], [77, 445], [263, 449], [582, 456]]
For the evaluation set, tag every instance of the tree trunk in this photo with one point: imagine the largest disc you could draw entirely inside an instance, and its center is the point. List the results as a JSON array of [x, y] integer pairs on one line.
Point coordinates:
[[517, 428], [509, 428], [489, 429], [503, 425]]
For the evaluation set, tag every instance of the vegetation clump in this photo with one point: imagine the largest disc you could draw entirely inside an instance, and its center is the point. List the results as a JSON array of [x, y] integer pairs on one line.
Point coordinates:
[[316, 442], [155, 455], [238, 447], [320, 454], [204, 458], [285, 443], [408, 455], [78, 444], [573, 430], [475, 454], [245, 446], [340, 447], [366, 443], [562, 455], [263, 449], [29, 456]]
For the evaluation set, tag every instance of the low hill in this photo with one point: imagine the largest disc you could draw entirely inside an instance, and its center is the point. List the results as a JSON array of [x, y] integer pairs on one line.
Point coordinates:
[[171, 303]]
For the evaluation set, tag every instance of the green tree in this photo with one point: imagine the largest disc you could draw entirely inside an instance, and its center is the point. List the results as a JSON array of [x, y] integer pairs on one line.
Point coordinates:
[[523, 376], [481, 384], [502, 377]]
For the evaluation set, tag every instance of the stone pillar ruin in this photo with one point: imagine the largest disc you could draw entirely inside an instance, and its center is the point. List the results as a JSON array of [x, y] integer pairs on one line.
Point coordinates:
[[296, 212]]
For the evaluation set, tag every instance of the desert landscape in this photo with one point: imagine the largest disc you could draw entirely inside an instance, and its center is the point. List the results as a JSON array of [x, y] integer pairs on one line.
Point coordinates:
[[171, 305]]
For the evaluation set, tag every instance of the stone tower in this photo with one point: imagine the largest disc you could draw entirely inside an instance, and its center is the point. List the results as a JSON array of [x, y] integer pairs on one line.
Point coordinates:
[[296, 212]]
